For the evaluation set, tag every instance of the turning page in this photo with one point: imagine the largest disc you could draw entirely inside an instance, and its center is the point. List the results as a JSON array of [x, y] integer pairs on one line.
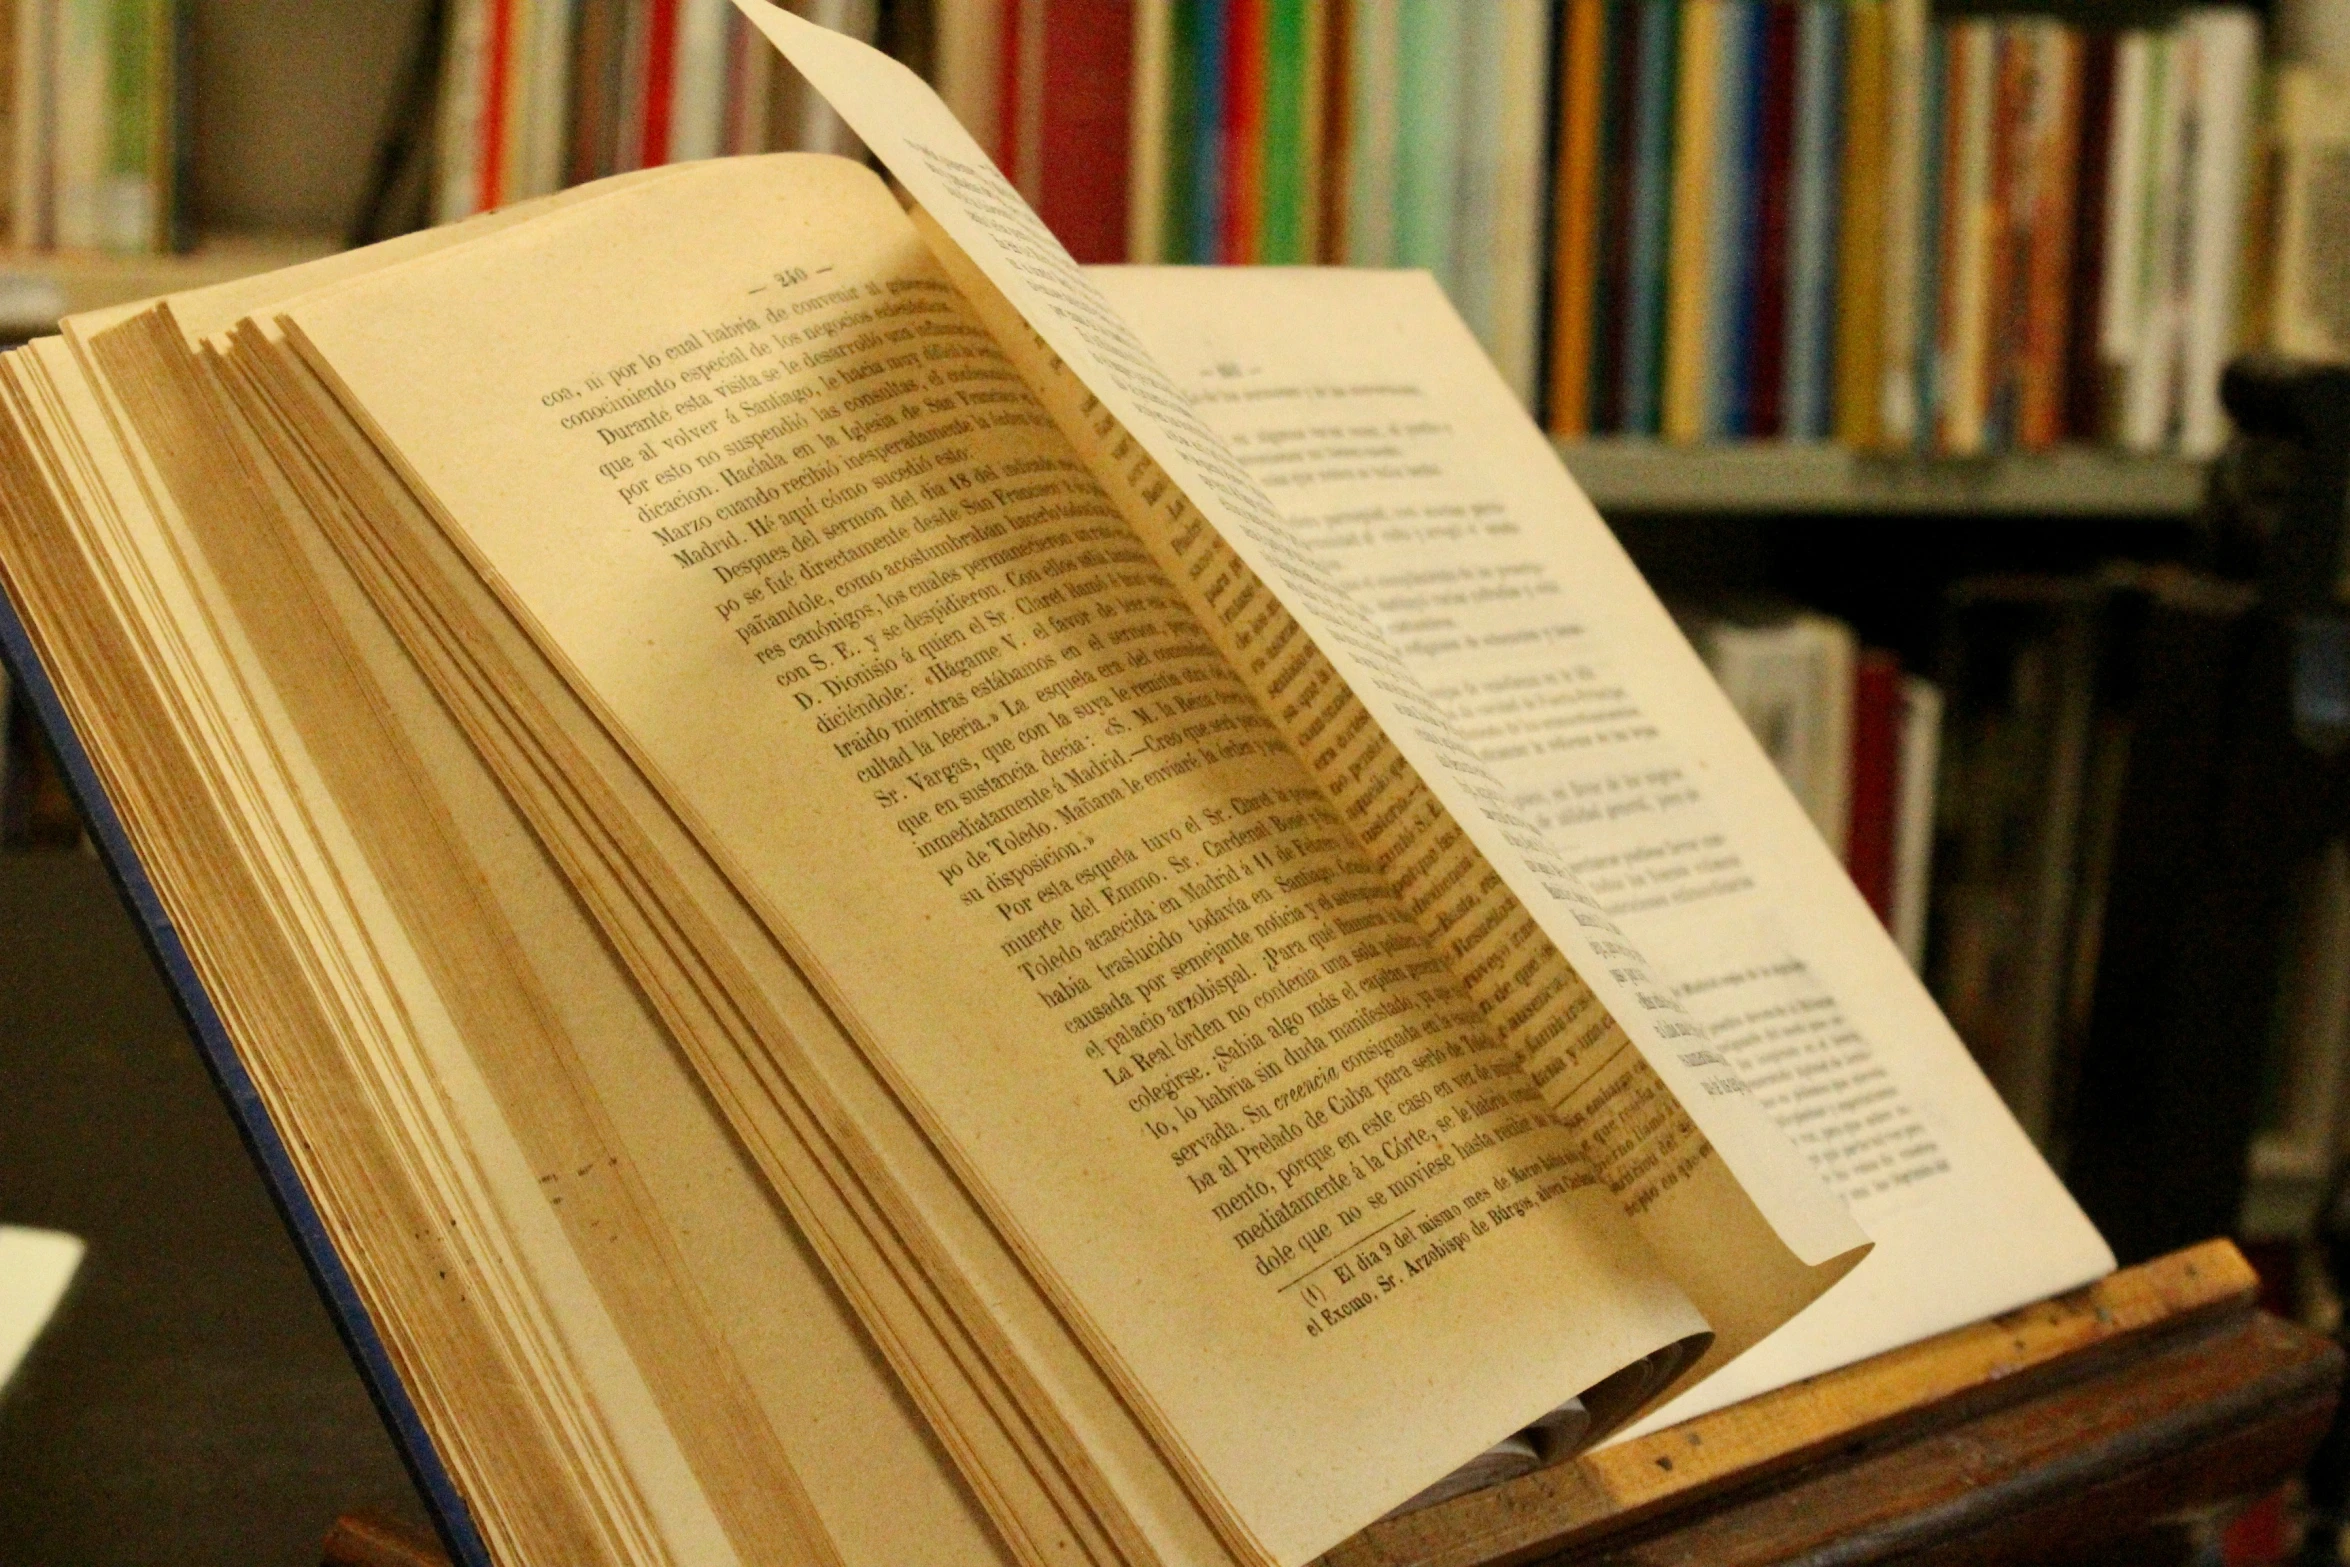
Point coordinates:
[[918, 139], [1399, 460]]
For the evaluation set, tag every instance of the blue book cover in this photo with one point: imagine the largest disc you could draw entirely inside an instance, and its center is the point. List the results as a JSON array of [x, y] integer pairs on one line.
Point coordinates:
[[1208, 116], [1729, 264], [1929, 298], [1811, 231], [1651, 152]]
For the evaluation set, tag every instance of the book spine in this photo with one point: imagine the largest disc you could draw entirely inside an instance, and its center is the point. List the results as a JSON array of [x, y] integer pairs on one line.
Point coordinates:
[[83, 89], [660, 82], [1909, 152], [1811, 239], [1860, 272], [1244, 131], [32, 212], [2149, 370], [1933, 224], [1875, 774], [1208, 125], [2227, 54], [593, 41], [969, 63], [2007, 209], [1181, 143], [130, 190], [1763, 374], [1314, 124], [1477, 221], [1147, 130], [1654, 181], [1917, 786], [497, 106], [1025, 104], [2084, 381], [1335, 160], [1699, 67], [1428, 134], [1619, 152], [1973, 90], [1729, 253], [1373, 79], [1520, 176], [1575, 242], [2040, 414], [1281, 215], [1088, 78], [539, 166]]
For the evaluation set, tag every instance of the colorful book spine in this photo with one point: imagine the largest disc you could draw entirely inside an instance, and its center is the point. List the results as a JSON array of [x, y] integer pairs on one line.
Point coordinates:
[[1513, 251], [1762, 375], [1655, 179], [2055, 150], [1730, 238], [1926, 298], [1804, 401], [1695, 130], [1860, 273], [1210, 56], [1243, 147], [1908, 182], [1148, 130], [1428, 134], [1372, 79], [1288, 153], [1576, 240], [1971, 93], [1611, 304]]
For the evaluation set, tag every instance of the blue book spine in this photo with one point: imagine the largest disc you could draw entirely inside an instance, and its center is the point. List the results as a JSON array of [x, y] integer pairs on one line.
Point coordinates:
[[1652, 207], [1207, 158], [1730, 257], [1811, 237], [1929, 297]]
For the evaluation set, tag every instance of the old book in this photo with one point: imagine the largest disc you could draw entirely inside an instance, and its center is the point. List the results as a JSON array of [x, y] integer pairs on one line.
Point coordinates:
[[885, 901]]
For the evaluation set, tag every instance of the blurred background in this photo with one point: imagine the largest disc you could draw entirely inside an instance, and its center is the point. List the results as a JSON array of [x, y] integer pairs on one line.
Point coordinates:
[[1892, 338]]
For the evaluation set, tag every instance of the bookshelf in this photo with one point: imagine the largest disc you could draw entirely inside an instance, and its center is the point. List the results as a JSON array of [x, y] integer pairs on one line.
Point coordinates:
[[36, 288], [1783, 478]]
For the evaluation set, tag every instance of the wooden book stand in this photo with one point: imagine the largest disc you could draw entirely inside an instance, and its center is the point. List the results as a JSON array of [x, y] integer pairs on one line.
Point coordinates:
[[2064, 1432]]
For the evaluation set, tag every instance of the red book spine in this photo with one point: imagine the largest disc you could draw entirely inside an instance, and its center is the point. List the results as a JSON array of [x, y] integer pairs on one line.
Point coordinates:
[[1774, 164], [497, 91], [1007, 97], [1876, 777], [660, 80], [1088, 82], [1244, 129]]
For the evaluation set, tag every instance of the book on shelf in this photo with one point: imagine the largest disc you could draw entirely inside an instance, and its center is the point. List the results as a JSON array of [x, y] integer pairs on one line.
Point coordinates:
[[97, 131], [877, 898]]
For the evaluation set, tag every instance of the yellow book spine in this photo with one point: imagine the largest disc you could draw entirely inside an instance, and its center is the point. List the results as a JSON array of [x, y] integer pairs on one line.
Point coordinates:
[[1692, 229], [1860, 293]]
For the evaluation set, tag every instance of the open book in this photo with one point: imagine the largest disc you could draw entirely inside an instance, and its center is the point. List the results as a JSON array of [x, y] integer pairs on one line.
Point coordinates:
[[900, 903]]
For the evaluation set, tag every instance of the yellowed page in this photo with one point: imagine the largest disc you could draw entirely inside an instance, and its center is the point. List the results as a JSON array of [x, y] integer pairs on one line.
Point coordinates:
[[1399, 460], [1045, 962], [918, 139]]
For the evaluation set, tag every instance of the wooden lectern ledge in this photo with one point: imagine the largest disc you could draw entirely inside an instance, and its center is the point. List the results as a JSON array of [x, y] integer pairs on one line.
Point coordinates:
[[2053, 1434]]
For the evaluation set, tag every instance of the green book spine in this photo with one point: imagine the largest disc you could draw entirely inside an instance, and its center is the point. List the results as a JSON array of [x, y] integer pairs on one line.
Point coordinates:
[[1177, 236], [1281, 231], [1427, 134]]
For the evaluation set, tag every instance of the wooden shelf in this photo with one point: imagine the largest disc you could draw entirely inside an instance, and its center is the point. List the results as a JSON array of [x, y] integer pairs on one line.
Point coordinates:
[[38, 287], [1625, 475]]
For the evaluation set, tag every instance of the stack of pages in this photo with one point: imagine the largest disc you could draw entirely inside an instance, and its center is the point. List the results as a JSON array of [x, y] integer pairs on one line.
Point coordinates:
[[899, 903]]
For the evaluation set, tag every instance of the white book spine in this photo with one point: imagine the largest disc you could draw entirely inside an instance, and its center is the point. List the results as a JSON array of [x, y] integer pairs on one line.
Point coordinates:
[[1512, 238], [463, 77], [697, 114], [2119, 304], [84, 117], [1906, 172], [1916, 786], [2227, 54], [1146, 179], [543, 116], [2150, 377], [1371, 111]]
